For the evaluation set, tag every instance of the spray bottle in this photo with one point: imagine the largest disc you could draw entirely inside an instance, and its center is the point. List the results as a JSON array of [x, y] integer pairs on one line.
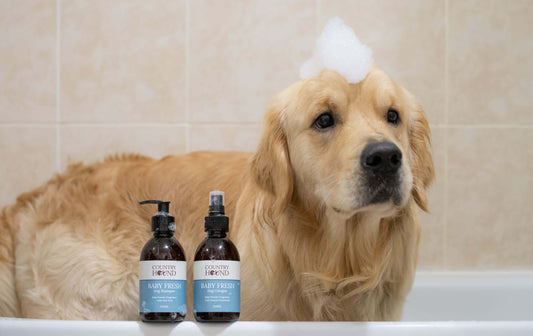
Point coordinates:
[[217, 285]]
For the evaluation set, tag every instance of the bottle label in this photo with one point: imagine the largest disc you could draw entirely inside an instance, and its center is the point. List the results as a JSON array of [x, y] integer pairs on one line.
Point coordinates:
[[217, 286], [162, 286]]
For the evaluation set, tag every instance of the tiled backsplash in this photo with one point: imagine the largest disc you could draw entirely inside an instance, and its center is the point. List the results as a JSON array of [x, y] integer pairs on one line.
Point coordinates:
[[83, 79]]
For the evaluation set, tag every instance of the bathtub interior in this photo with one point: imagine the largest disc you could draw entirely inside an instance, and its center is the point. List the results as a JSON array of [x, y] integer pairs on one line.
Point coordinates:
[[470, 296]]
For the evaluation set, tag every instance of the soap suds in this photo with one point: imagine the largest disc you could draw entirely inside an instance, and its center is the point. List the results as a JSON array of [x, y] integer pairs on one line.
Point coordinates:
[[339, 49]]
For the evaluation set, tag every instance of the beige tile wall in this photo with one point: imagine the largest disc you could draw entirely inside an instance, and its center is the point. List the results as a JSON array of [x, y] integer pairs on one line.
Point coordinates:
[[83, 79]]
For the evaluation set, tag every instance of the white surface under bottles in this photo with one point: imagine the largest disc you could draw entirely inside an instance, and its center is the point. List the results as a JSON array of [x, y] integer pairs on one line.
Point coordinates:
[[450, 303]]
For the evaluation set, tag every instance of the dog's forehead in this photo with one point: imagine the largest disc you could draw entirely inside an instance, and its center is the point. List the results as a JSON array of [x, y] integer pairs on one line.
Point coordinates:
[[331, 89], [318, 93], [379, 88], [304, 101]]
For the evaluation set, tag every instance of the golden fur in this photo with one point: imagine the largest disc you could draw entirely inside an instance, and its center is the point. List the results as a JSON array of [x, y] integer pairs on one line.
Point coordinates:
[[310, 249]]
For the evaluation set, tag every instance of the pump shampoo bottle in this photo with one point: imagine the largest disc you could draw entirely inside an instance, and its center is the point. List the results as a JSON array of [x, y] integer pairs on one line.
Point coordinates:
[[217, 285], [162, 271]]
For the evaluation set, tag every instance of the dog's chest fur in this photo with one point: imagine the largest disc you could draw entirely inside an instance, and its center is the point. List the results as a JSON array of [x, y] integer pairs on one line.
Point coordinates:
[[363, 271]]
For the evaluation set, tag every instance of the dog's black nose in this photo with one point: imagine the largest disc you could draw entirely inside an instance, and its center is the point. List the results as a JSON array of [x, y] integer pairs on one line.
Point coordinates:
[[381, 157]]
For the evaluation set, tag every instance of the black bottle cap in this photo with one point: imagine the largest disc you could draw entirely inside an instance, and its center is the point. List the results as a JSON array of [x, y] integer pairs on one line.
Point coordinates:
[[217, 220], [162, 221]]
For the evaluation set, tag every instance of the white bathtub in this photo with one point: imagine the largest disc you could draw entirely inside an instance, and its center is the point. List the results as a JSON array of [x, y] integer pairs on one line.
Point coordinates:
[[469, 296], [450, 303]]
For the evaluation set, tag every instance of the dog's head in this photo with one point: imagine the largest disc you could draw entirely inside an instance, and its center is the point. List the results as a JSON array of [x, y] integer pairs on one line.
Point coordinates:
[[346, 147]]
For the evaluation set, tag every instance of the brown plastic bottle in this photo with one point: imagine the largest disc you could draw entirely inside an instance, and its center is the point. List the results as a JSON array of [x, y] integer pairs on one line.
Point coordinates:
[[162, 272], [216, 269]]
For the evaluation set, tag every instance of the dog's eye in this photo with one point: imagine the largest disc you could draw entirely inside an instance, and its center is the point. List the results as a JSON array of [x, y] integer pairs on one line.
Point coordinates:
[[393, 117], [324, 121]]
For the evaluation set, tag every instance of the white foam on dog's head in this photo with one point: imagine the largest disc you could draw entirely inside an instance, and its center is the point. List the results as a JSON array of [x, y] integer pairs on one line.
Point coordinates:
[[339, 49]]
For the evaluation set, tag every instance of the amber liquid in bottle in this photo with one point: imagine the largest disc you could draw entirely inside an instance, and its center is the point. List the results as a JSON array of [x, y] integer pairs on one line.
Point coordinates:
[[163, 246], [216, 247]]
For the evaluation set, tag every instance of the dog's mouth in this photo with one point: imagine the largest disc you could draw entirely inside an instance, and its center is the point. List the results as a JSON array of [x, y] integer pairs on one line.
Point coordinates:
[[372, 191], [382, 189]]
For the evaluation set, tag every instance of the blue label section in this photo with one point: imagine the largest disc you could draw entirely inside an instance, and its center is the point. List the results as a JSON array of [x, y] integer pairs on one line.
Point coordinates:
[[217, 296], [162, 296]]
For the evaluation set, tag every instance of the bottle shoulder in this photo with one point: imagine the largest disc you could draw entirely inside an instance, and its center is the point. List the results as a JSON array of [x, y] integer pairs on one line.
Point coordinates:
[[163, 248], [217, 249]]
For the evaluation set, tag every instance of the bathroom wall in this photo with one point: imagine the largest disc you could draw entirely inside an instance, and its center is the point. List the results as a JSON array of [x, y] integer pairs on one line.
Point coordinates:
[[83, 79]]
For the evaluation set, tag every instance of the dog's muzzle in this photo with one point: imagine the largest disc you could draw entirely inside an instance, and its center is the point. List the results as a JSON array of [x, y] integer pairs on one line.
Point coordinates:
[[381, 163]]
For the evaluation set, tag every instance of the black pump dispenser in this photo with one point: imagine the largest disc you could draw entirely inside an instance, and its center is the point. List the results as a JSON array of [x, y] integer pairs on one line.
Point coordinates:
[[217, 219], [162, 221], [162, 265]]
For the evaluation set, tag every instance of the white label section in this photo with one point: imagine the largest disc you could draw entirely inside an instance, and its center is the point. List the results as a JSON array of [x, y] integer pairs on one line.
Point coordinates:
[[217, 269], [162, 270]]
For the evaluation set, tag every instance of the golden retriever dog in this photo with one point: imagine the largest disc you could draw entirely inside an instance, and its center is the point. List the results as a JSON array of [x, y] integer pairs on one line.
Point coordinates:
[[324, 214]]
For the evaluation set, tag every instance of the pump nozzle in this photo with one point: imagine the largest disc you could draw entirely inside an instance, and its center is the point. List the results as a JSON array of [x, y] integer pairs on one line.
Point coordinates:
[[163, 220], [161, 205]]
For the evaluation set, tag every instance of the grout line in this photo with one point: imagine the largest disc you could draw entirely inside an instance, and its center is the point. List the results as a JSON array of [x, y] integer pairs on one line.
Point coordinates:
[[317, 17], [118, 124], [58, 85], [20, 124], [185, 125], [500, 126], [66, 125], [446, 122], [446, 61], [188, 138], [446, 199], [236, 125], [187, 76], [224, 123], [481, 126]]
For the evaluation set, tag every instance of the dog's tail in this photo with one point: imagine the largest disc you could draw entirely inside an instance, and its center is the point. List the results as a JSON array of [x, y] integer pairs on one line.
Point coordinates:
[[9, 303]]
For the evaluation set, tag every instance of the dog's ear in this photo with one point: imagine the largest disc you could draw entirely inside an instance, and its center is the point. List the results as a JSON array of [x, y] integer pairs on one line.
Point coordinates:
[[270, 165], [421, 159]]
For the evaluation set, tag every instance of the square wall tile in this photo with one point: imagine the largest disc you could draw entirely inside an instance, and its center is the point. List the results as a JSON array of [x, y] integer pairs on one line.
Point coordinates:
[[123, 61], [225, 137], [490, 198], [491, 73], [92, 143], [432, 249], [28, 156], [407, 39], [28, 66], [244, 52]]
